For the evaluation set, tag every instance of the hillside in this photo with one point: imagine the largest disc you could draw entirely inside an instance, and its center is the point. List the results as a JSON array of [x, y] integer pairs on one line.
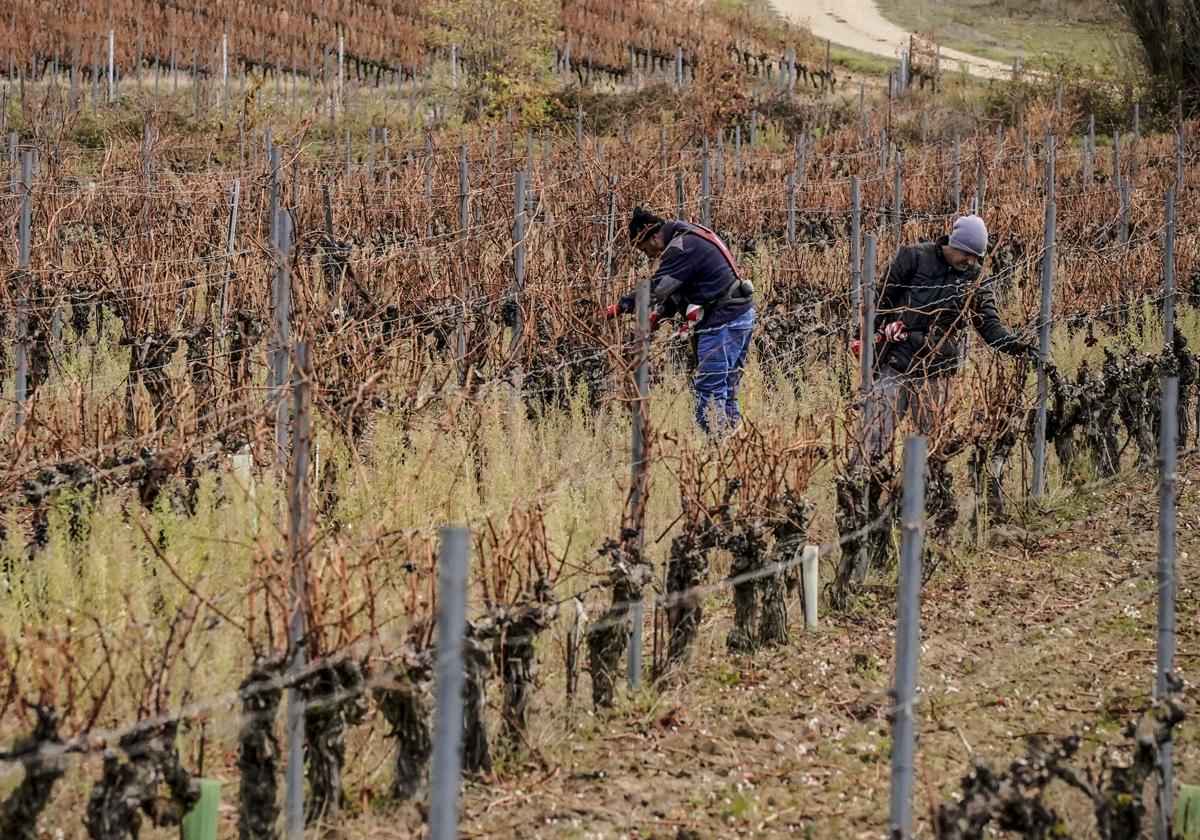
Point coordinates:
[[377, 36], [349, 460]]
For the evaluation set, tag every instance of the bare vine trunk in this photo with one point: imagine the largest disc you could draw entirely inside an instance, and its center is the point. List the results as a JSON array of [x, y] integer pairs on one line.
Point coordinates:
[[258, 751], [132, 787], [608, 635], [402, 700], [43, 768], [686, 570], [333, 702]]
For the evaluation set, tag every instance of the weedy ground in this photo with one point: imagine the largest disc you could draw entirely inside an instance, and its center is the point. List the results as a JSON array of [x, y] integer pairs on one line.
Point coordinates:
[[1046, 629], [1044, 626]]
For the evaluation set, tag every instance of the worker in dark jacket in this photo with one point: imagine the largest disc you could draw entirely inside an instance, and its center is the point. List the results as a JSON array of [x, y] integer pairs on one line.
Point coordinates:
[[698, 280], [931, 291]]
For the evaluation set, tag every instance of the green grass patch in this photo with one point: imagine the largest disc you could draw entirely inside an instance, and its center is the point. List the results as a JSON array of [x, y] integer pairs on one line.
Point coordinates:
[[1072, 33], [859, 62]]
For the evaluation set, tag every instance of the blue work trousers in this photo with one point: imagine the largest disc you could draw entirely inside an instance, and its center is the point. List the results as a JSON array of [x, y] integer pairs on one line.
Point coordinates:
[[721, 359]]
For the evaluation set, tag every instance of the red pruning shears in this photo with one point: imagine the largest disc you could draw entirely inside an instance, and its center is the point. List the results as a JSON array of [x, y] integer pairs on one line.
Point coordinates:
[[614, 310], [893, 332]]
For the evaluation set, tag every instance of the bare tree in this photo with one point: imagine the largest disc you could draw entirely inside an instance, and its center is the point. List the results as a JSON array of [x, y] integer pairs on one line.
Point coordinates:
[[1169, 34]]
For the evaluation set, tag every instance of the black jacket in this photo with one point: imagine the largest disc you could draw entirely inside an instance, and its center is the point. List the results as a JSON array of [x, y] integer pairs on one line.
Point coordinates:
[[691, 270], [934, 302]]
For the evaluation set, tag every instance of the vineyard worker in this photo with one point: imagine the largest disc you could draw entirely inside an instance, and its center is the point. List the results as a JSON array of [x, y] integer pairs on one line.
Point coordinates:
[[698, 279], [930, 292]]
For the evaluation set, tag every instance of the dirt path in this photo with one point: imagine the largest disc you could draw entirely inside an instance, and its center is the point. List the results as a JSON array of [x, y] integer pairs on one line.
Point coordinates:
[[860, 25]]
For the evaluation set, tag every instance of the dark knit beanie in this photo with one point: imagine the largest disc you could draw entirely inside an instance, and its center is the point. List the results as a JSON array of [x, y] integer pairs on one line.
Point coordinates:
[[643, 223]]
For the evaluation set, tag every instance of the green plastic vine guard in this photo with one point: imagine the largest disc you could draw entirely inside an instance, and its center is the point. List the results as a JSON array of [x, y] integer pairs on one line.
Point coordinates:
[[1187, 813], [201, 822]]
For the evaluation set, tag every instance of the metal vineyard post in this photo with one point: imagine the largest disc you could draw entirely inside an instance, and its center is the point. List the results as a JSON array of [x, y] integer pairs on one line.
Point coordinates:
[[908, 636]]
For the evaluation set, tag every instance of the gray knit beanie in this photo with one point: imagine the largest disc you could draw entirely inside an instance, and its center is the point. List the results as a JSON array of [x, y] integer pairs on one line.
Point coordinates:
[[970, 235]]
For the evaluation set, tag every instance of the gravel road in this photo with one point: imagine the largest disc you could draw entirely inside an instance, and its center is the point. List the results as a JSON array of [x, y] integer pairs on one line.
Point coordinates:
[[860, 25]]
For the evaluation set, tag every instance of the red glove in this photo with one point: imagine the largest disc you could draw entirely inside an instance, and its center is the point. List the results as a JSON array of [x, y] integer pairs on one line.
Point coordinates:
[[612, 311], [856, 344], [895, 331], [692, 315], [655, 317]]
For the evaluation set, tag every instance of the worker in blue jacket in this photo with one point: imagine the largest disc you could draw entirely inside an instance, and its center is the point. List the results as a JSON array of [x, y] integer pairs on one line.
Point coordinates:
[[698, 279]]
